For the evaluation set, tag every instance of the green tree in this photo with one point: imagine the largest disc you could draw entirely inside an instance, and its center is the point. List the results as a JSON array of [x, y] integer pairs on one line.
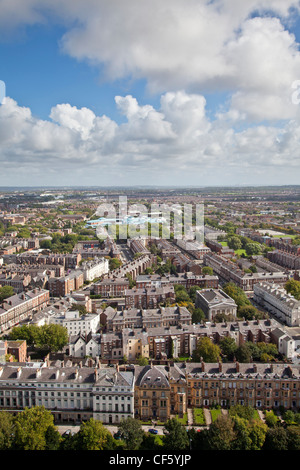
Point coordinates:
[[271, 419], [249, 312], [142, 361], [114, 263], [228, 347], [289, 417], [52, 337], [293, 287], [192, 292], [176, 437], [93, 436], [243, 353], [237, 294], [293, 437], [131, 432], [198, 315], [206, 350], [207, 270], [25, 332], [253, 249], [221, 434], [276, 439], [53, 439], [181, 294], [6, 430], [5, 292], [257, 432], [31, 429], [234, 242]]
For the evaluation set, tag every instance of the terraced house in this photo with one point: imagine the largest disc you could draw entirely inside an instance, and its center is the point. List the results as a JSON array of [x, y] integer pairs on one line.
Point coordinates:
[[109, 394], [72, 394]]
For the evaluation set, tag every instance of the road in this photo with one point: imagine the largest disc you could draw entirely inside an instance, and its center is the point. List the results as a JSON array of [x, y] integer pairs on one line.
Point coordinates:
[[111, 428]]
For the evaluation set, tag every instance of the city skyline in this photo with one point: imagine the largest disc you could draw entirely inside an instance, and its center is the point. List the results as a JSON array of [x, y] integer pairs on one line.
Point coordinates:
[[195, 94]]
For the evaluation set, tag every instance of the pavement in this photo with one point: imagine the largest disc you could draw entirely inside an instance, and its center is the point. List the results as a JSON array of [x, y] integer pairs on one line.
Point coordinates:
[[112, 429]]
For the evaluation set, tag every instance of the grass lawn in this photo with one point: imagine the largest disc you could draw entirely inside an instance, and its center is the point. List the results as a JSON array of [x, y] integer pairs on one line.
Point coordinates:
[[199, 416], [215, 413], [224, 243], [241, 252], [183, 420]]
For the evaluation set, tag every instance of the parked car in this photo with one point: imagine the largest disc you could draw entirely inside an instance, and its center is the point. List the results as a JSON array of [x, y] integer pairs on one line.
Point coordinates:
[[153, 431]]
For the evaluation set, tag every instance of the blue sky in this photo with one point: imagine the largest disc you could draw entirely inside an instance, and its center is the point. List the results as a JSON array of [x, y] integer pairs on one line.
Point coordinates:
[[184, 93]]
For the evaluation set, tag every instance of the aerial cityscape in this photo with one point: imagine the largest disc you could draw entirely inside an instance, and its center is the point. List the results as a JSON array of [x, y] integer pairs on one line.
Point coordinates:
[[150, 227]]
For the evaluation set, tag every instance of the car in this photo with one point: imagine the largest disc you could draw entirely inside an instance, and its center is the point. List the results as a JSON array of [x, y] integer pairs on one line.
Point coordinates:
[[153, 431]]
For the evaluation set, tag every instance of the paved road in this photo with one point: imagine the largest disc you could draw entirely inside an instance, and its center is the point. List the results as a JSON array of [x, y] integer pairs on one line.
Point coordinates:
[[112, 429]]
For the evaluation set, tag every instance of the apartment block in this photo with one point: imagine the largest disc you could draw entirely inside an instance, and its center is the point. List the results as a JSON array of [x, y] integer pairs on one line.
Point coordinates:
[[72, 394], [278, 302], [229, 271], [62, 286], [149, 297], [117, 320], [21, 307]]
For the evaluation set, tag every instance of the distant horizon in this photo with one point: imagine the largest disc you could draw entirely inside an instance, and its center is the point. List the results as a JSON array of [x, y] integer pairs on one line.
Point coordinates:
[[151, 186]]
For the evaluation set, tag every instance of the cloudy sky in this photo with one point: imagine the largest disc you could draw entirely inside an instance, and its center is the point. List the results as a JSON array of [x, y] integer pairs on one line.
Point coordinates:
[[140, 92]]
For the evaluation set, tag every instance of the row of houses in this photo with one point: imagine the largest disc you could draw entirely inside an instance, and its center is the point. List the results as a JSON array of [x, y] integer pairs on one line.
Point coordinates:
[[77, 393], [278, 302], [21, 307], [229, 271], [161, 342], [116, 287]]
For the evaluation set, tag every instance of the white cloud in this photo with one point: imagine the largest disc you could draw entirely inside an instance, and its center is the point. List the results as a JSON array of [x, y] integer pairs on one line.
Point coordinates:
[[162, 142], [183, 49]]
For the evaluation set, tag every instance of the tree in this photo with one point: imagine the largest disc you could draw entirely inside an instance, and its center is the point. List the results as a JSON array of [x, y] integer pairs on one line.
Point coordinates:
[[31, 429], [93, 436], [293, 287], [237, 294], [142, 361], [234, 242], [221, 434], [228, 347], [6, 430], [176, 437], [243, 353], [289, 416], [53, 439], [243, 411], [207, 270], [114, 263], [198, 315], [248, 312], [131, 432], [52, 337], [276, 439], [192, 292], [293, 437], [5, 292], [29, 333], [257, 432], [271, 419], [181, 294], [206, 350], [253, 249]]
